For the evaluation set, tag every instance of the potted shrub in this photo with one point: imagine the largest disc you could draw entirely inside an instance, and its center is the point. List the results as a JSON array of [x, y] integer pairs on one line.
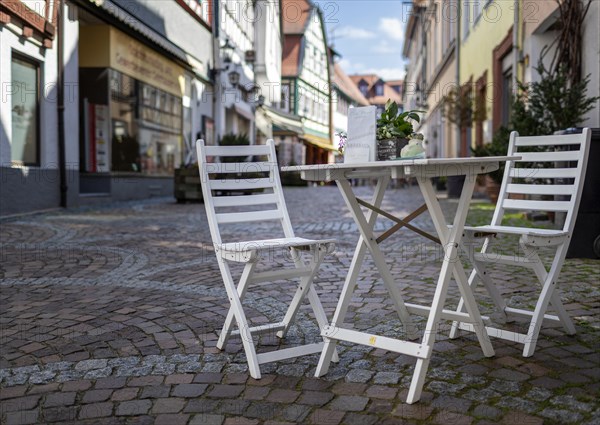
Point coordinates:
[[187, 185], [242, 139], [497, 147], [393, 130], [231, 139]]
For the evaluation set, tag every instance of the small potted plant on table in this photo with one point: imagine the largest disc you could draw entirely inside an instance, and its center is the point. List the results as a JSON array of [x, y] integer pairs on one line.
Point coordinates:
[[393, 130]]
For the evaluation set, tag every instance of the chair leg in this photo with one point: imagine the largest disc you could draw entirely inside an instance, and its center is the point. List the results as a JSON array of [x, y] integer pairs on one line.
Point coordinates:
[[480, 271], [241, 291], [542, 275], [548, 290], [564, 317], [320, 315], [303, 287], [240, 318]]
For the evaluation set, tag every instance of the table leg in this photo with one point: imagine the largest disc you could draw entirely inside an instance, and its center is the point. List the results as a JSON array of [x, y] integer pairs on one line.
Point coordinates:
[[366, 230], [351, 278], [450, 241]]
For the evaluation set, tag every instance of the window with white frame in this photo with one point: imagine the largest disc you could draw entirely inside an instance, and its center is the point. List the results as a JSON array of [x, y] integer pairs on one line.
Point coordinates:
[[25, 140]]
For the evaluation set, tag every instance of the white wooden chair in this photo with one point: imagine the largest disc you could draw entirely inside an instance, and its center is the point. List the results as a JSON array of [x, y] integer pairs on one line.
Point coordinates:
[[565, 179], [267, 206]]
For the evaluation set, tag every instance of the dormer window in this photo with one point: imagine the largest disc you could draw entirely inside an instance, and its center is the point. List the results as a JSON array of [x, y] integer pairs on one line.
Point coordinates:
[[379, 89], [363, 86]]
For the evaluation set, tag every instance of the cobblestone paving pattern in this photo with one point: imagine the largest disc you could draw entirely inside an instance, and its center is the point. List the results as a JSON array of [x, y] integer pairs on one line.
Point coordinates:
[[111, 315]]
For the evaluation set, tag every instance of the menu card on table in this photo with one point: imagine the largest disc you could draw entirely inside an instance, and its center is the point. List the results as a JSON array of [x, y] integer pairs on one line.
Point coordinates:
[[361, 145]]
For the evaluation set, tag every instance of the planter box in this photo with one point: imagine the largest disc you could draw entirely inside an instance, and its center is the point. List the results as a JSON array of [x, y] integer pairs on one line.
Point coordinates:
[[454, 185], [292, 179], [386, 149], [187, 185], [389, 149]]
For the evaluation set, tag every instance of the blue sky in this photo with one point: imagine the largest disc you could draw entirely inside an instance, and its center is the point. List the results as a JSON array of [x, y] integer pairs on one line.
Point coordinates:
[[369, 34]]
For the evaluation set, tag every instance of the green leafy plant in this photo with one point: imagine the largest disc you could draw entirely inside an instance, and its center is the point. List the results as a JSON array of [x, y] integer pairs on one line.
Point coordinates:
[[541, 108], [231, 139], [497, 147], [551, 104], [395, 125], [460, 108]]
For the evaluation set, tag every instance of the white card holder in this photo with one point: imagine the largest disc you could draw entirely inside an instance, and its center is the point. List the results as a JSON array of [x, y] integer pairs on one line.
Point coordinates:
[[361, 145]]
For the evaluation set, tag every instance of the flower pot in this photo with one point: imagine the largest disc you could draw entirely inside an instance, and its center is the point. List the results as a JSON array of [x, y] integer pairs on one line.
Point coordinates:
[[386, 149]]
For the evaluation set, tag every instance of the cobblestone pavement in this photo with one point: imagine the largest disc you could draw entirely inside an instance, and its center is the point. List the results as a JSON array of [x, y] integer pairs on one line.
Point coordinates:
[[110, 315]]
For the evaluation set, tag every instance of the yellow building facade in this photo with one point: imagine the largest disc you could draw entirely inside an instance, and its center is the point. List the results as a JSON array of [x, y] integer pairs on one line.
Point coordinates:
[[487, 65]]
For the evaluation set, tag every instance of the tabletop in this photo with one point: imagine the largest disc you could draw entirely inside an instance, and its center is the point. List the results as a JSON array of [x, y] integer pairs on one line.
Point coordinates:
[[430, 167]]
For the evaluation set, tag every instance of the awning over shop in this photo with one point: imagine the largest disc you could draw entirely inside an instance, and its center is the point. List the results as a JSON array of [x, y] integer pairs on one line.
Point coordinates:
[[283, 121], [134, 23], [244, 111], [263, 124], [320, 142]]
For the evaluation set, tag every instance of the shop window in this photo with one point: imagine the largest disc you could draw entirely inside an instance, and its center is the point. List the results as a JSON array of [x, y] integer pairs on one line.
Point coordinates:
[[125, 148], [159, 129], [284, 105], [25, 141], [146, 126]]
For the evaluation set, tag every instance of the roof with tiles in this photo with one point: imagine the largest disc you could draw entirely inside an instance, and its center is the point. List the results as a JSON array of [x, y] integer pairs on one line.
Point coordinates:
[[295, 15], [347, 86], [291, 56], [372, 80]]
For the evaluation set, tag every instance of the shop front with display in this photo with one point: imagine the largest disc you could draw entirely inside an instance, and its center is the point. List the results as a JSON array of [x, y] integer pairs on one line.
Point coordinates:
[[132, 115]]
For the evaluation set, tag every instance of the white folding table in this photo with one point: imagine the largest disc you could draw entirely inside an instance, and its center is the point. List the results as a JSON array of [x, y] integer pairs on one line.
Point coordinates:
[[449, 237]]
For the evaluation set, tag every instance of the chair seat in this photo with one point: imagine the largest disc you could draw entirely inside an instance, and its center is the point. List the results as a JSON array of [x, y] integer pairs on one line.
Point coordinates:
[[262, 244], [510, 230]]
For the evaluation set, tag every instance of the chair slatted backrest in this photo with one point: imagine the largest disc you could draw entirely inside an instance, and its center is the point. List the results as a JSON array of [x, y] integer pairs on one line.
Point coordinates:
[[222, 181], [546, 169]]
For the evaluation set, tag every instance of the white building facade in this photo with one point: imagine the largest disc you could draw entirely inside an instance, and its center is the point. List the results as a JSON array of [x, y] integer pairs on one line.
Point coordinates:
[[37, 171], [137, 93], [234, 75]]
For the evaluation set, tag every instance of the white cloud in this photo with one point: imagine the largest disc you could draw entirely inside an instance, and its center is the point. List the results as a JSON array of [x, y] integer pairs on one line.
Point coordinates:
[[386, 48], [393, 28], [387, 73], [350, 67], [345, 64], [353, 33]]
